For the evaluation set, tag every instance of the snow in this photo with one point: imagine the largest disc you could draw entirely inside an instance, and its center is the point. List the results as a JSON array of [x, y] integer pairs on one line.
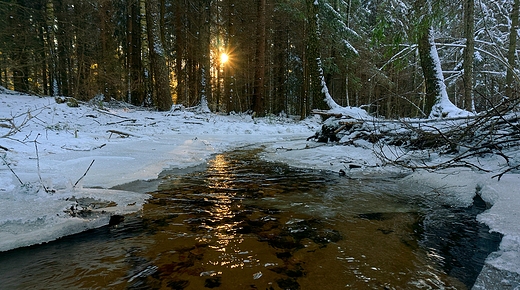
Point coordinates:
[[126, 144], [443, 107]]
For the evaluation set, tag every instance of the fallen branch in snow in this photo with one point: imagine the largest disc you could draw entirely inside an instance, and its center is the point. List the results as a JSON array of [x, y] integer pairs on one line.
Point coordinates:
[[407, 160], [496, 135], [10, 123], [38, 166], [499, 176], [457, 141], [326, 114], [123, 121], [84, 174], [16, 123], [14, 173], [115, 115], [82, 150], [120, 133]]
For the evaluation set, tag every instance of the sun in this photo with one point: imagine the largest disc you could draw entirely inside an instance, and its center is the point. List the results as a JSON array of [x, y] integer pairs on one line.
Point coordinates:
[[224, 57]]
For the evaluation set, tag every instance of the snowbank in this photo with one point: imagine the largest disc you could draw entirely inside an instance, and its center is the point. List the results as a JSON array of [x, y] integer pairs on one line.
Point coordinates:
[[29, 219]]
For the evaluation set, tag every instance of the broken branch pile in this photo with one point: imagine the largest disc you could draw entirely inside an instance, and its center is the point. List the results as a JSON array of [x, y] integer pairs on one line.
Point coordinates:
[[461, 140]]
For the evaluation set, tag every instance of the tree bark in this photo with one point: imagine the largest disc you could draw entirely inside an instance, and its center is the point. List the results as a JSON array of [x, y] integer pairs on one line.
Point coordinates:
[[228, 71], [135, 68], [511, 55], [51, 49], [205, 84], [469, 51], [321, 98], [163, 97], [63, 54], [437, 102], [313, 54], [433, 83], [258, 90]]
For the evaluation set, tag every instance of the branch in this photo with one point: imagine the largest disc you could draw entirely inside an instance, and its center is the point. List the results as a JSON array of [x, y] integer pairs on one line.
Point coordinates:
[[7, 164], [38, 164], [84, 174], [504, 172]]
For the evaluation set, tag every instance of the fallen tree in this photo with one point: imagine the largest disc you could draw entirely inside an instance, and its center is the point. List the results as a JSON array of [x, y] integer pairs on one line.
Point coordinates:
[[410, 143]]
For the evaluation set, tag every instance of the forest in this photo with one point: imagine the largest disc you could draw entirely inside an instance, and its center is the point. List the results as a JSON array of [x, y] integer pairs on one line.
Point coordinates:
[[264, 56]]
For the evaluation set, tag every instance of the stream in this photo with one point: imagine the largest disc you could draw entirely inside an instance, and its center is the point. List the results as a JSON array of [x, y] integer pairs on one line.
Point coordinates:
[[242, 223]]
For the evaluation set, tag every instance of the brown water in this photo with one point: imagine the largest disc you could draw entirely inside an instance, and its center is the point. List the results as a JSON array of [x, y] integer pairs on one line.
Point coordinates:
[[241, 223]]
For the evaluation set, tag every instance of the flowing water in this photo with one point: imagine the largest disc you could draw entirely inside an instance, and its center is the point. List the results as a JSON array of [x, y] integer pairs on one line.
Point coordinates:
[[242, 223]]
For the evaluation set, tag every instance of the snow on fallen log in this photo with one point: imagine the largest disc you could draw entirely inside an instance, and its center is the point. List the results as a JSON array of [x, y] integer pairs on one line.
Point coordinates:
[[461, 140]]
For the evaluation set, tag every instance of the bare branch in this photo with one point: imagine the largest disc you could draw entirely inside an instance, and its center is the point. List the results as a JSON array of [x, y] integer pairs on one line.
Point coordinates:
[[84, 174], [11, 169]]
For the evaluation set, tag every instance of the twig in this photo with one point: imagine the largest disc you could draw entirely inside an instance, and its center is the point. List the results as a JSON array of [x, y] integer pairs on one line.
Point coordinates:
[[38, 164], [115, 115], [83, 150], [119, 122], [84, 174], [7, 164], [120, 133], [504, 172]]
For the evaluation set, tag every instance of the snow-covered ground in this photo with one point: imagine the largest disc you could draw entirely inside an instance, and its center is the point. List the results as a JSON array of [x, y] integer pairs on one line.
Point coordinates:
[[121, 144]]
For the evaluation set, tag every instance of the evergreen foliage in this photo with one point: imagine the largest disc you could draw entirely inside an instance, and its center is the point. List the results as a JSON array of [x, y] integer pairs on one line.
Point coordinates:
[[163, 52]]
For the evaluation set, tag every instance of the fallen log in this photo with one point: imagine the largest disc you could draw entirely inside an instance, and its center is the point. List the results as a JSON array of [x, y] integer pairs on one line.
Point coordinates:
[[326, 114]]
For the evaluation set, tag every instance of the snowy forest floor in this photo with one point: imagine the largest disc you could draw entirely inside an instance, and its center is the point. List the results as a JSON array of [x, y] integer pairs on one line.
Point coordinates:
[[58, 162]]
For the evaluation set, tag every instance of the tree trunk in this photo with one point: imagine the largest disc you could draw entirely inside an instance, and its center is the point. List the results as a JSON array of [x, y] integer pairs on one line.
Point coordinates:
[[205, 85], [313, 55], [158, 59], [434, 81], [20, 72], [321, 98], [437, 103], [228, 71], [180, 40], [63, 53], [51, 49], [135, 65], [258, 90], [469, 50], [511, 55], [304, 96]]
